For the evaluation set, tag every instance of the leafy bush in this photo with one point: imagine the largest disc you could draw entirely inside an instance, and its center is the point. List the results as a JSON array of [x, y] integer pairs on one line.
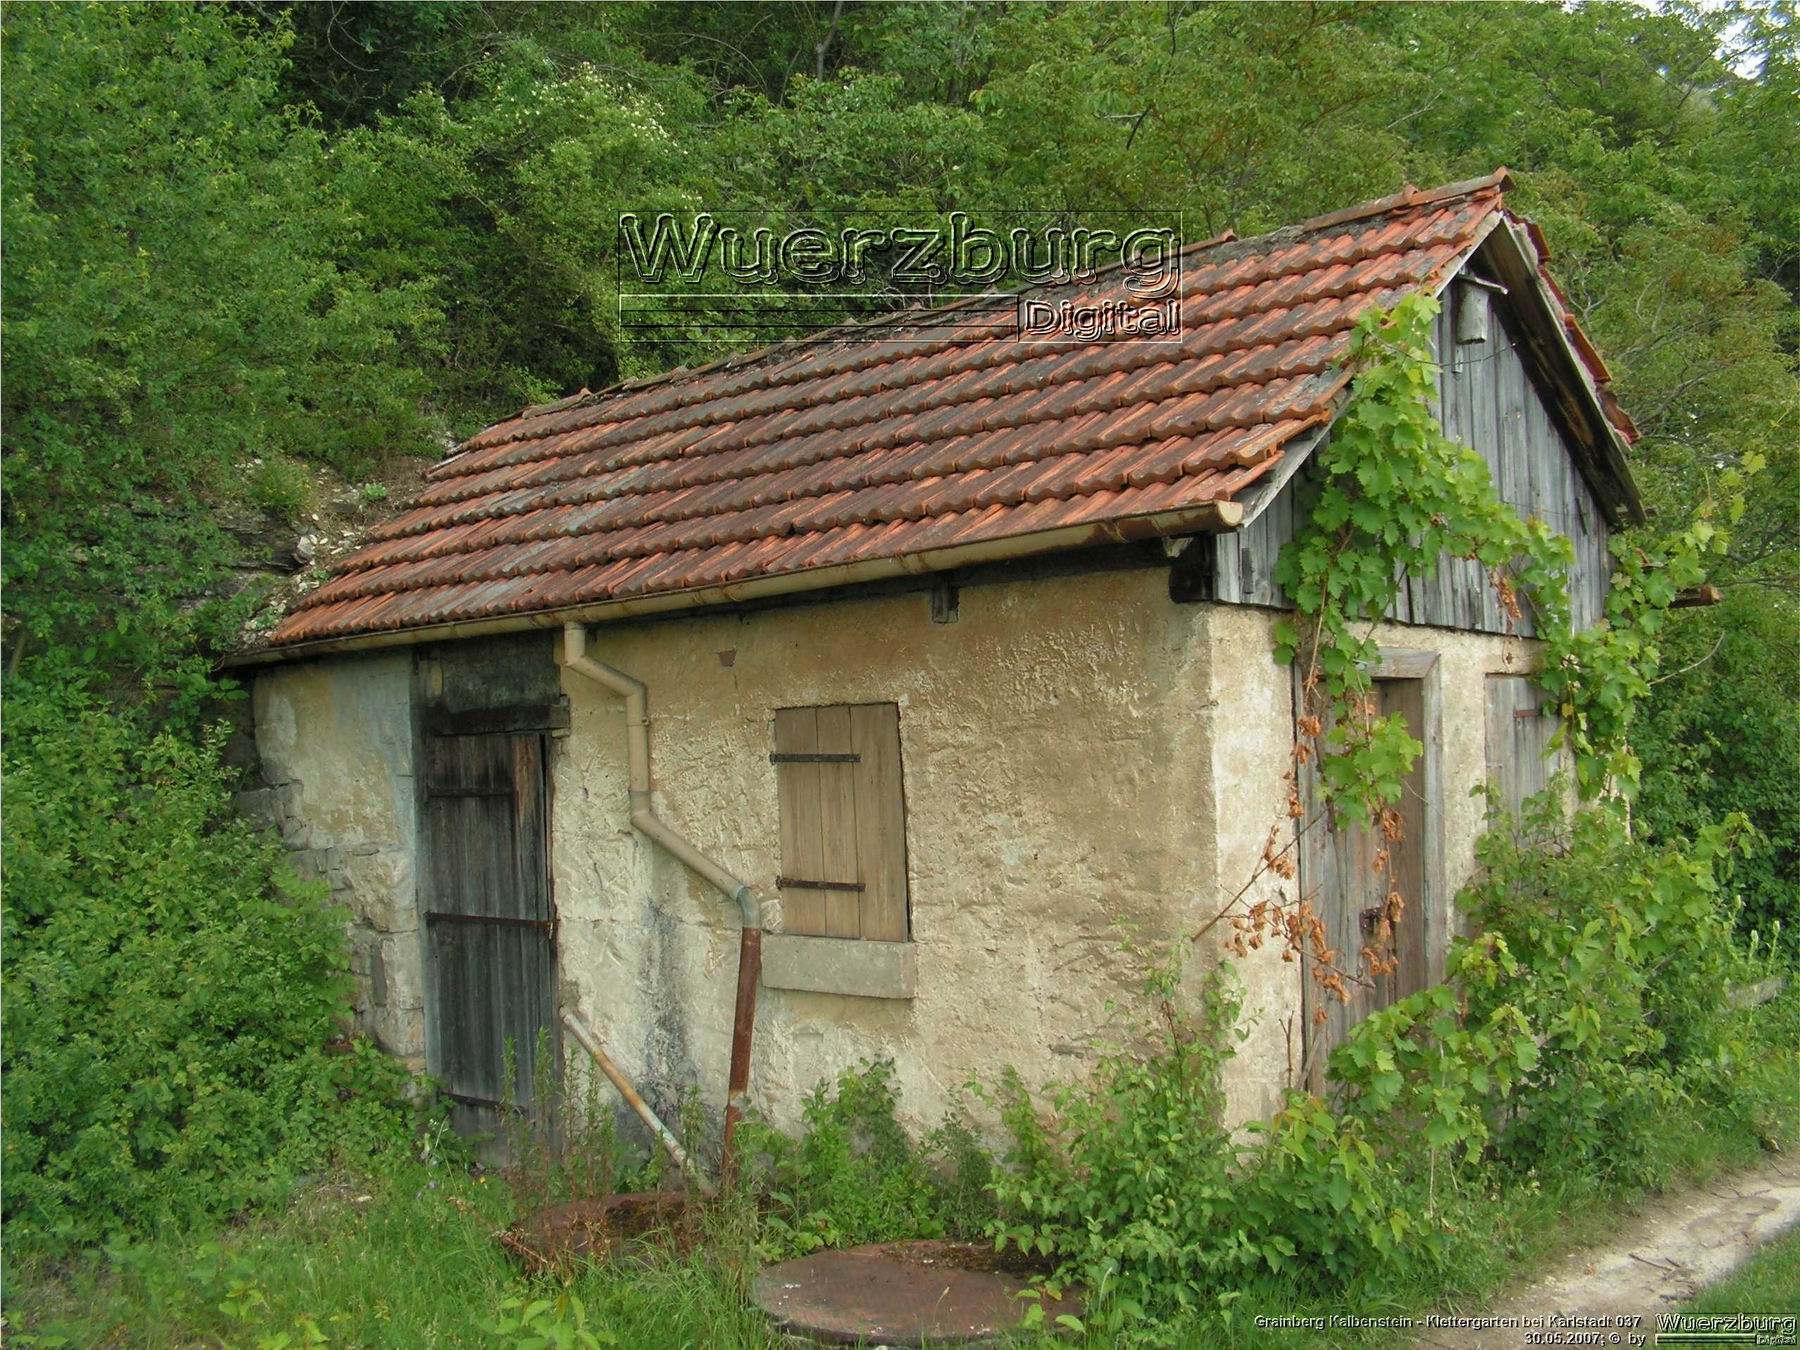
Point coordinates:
[[1588, 1009], [1590, 1003], [1722, 733], [854, 1176], [1134, 1186], [177, 307], [282, 487], [172, 991]]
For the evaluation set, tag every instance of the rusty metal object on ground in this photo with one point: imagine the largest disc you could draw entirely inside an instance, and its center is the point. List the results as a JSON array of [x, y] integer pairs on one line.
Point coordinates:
[[599, 1230], [584, 1034], [900, 1293]]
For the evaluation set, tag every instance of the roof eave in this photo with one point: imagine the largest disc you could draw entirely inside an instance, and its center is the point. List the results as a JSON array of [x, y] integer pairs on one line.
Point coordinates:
[[1203, 517], [1514, 258]]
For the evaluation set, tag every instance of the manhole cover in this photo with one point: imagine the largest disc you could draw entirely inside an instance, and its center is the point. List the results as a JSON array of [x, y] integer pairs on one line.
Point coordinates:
[[900, 1293]]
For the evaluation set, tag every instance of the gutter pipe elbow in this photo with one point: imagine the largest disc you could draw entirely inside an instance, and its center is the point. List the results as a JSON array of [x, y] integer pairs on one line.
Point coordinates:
[[645, 821]]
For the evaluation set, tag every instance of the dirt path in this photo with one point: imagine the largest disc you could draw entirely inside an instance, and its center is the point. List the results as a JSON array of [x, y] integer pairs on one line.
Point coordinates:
[[1664, 1255]]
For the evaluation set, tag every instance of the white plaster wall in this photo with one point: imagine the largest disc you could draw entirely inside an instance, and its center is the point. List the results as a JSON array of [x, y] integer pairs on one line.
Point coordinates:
[[1057, 769], [1251, 742], [1082, 759]]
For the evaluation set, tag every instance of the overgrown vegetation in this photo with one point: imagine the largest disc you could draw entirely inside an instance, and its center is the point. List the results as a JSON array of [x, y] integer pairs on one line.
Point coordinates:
[[173, 994], [853, 1175], [1180, 1230], [1717, 737], [1583, 1043], [1392, 497], [1140, 1191], [400, 1257]]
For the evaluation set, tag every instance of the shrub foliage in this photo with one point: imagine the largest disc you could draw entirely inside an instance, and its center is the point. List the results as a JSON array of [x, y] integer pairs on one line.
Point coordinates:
[[853, 1174], [172, 991], [1587, 1009]]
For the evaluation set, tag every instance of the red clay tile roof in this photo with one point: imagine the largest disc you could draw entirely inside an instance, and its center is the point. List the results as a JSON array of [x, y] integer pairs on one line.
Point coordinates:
[[855, 448]]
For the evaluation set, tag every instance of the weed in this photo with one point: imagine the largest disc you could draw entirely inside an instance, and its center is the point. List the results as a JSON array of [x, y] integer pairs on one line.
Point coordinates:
[[228, 973], [563, 1144], [1587, 1011], [282, 487], [854, 1176], [559, 1322]]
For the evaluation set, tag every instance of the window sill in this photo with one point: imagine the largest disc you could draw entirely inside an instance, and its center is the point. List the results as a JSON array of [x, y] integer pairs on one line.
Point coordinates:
[[825, 965]]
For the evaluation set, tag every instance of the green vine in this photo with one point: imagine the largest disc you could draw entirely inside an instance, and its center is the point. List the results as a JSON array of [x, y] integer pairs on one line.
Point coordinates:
[[1395, 496]]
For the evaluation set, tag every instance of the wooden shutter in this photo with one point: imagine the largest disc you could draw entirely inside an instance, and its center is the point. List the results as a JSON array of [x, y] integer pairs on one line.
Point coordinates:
[[1519, 727], [843, 821]]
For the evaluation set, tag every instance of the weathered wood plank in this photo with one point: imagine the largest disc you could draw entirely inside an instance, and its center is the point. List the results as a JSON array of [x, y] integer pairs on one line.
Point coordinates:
[[1519, 729], [1491, 397], [490, 914], [799, 788], [838, 826], [1337, 866], [530, 828], [1225, 568], [880, 821], [1406, 868]]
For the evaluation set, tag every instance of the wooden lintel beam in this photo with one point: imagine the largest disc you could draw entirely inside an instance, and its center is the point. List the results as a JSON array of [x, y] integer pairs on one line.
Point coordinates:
[[1697, 596]]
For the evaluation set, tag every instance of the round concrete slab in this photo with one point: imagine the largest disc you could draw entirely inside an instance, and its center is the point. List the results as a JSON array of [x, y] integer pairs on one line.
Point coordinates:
[[899, 1293]]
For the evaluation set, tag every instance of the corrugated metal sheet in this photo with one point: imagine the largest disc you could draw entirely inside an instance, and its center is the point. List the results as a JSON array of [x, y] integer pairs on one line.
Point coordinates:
[[849, 448]]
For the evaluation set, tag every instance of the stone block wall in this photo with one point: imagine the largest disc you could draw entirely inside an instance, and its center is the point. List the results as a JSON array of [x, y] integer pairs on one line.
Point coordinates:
[[335, 747]]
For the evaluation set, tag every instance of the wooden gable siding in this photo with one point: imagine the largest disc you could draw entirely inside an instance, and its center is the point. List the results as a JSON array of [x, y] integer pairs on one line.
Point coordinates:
[[1488, 399]]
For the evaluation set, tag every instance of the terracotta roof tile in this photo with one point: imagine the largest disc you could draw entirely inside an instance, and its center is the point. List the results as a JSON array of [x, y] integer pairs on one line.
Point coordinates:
[[897, 439]]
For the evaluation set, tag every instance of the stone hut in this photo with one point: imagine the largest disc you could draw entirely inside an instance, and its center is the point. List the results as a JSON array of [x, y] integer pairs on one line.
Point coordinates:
[[942, 654]]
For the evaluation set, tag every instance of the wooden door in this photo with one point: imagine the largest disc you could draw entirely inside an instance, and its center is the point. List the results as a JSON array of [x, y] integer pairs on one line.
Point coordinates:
[[1406, 860], [490, 924], [1338, 873], [1520, 725]]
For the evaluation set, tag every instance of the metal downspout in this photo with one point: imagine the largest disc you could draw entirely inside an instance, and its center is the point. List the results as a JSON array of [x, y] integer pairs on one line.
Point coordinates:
[[645, 820]]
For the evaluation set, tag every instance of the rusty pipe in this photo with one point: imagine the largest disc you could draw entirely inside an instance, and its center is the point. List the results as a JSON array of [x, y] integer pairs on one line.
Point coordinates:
[[645, 820], [584, 1034], [737, 1090]]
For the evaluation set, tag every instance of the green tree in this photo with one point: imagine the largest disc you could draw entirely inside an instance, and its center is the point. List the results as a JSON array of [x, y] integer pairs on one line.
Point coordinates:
[[176, 308], [177, 313]]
